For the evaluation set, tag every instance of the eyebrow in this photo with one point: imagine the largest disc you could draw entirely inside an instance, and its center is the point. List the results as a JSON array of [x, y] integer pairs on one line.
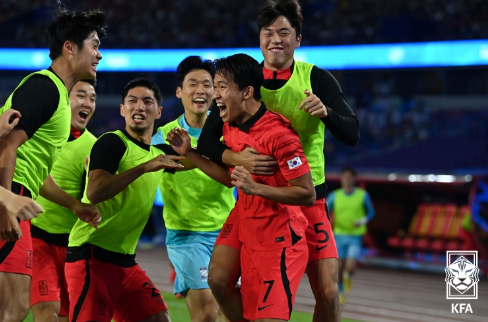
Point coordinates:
[[196, 80], [144, 98], [272, 29], [96, 41], [85, 92]]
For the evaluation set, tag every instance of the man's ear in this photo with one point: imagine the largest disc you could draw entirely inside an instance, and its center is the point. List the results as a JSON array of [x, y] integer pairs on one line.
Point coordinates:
[[122, 113], [299, 39], [158, 112], [178, 92], [69, 47], [248, 92]]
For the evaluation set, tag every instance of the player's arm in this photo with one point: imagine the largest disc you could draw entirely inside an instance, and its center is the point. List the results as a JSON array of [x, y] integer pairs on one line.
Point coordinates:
[[370, 212], [326, 101], [209, 145], [181, 142], [36, 100], [105, 156], [23, 207], [8, 121], [86, 212], [301, 191]]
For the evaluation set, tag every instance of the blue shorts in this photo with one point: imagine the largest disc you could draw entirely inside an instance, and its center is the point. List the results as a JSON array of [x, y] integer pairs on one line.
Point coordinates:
[[348, 246], [190, 259]]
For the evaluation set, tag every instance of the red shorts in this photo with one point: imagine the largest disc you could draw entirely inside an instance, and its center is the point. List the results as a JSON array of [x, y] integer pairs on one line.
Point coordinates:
[[18, 257], [99, 291], [320, 238], [48, 282], [270, 279], [229, 235], [319, 235]]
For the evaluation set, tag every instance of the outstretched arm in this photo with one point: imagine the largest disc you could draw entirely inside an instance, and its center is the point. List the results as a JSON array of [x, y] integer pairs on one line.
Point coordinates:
[[181, 142], [86, 212]]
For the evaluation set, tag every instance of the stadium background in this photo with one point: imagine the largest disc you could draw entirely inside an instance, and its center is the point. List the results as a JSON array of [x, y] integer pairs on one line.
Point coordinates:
[[423, 149]]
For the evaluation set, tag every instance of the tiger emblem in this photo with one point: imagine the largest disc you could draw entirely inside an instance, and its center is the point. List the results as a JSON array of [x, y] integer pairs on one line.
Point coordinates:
[[462, 275]]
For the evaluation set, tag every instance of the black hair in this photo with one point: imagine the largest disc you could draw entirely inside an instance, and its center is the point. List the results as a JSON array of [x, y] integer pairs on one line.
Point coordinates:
[[192, 63], [143, 82], [92, 82], [350, 170], [288, 8], [74, 26], [243, 70]]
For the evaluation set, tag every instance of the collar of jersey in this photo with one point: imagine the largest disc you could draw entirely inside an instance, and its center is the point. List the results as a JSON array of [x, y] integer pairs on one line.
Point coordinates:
[[249, 123]]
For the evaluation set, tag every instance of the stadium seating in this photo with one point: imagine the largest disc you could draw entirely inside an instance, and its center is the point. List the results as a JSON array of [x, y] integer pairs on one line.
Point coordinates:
[[435, 228]]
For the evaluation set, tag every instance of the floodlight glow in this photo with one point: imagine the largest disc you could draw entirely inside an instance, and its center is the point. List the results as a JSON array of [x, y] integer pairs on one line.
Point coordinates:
[[376, 56]]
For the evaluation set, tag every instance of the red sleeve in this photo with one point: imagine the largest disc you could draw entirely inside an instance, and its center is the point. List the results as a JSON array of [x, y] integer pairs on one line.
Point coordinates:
[[288, 151]]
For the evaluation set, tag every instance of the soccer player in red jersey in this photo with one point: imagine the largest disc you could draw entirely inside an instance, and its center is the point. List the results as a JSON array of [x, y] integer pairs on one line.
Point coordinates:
[[311, 99], [272, 227]]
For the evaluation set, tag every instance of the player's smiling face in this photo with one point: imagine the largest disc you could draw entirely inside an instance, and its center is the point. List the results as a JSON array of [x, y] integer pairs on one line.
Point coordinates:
[[140, 109], [88, 57], [196, 92], [278, 42], [229, 99], [82, 101]]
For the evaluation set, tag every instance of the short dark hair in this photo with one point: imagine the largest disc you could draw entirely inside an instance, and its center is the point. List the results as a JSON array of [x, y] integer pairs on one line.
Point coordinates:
[[143, 82], [92, 82], [274, 8], [192, 63], [75, 26], [243, 70], [350, 170]]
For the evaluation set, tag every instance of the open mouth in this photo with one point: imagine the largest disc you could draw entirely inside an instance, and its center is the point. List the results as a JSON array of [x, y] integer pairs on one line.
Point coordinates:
[[83, 115], [94, 66], [138, 118], [223, 109], [199, 101], [276, 49]]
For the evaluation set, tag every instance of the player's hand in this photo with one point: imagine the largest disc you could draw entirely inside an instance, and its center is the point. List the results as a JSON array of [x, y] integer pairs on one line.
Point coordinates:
[[180, 141], [22, 207], [163, 162], [8, 120], [313, 105], [9, 226], [255, 162], [88, 213], [242, 179], [361, 222]]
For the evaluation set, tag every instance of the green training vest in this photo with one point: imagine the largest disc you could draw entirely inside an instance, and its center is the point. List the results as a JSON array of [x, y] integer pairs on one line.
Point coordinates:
[[311, 129], [192, 200], [348, 209], [37, 155], [68, 172], [125, 215]]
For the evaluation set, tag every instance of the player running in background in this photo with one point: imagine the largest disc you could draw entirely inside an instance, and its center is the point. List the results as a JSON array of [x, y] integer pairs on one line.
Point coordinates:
[[195, 206], [28, 152], [311, 99], [50, 231], [352, 208], [103, 278], [271, 231]]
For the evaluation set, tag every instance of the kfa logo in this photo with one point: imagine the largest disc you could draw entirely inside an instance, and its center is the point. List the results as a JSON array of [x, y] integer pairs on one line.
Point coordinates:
[[461, 308], [462, 275]]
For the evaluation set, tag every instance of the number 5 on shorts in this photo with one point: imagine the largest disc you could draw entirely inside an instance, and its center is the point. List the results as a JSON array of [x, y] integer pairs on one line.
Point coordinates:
[[320, 231]]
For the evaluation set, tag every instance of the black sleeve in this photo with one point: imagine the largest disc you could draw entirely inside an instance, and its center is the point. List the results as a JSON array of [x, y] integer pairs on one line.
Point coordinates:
[[341, 120], [209, 143], [37, 100], [107, 153]]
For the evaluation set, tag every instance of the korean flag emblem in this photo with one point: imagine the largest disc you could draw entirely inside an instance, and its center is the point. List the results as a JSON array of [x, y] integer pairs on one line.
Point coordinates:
[[295, 162]]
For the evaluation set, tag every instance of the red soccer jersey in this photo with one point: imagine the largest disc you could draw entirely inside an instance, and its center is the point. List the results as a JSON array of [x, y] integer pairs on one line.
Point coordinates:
[[265, 224]]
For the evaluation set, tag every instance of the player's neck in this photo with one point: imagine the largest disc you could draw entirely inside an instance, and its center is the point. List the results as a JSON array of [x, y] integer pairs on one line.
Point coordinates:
[[195, 121], [144, 137], [286, 65], [348, 189], [61, 68], [251, 107]]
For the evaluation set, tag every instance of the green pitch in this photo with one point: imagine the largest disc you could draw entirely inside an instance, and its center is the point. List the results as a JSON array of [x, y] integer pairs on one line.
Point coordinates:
[[179, 312]]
